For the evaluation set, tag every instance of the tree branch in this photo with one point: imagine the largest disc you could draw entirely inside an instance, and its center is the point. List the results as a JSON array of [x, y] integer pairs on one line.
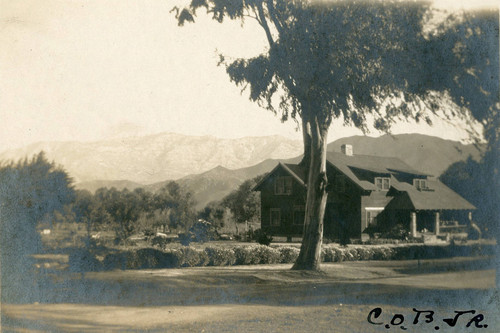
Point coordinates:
[[263, 23], [274, 18]]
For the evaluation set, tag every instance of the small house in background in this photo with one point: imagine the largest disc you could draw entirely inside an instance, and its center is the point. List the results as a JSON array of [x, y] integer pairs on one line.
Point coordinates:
[[364, 193]]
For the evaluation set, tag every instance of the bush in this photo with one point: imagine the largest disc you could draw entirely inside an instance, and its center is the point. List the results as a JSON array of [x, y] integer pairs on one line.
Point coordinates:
[[383, 253], [288, 254], [262, 238], [397, 232], [202, 231], [220, 256], [191, 257], [245, 255], [185, 238], [332, 254], [82, 260], [151, 258], [267, 255], [119, 260]]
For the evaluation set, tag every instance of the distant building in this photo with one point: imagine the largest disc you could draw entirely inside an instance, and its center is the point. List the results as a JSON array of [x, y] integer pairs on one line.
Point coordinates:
[[363, 191]]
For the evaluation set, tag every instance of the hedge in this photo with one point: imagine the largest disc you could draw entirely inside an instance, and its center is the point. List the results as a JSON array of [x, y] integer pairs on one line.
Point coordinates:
[[261, 254]]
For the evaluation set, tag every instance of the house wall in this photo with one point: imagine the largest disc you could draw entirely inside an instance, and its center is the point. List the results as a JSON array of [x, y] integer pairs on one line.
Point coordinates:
[[342, 215], [374, 201], [285, 203]]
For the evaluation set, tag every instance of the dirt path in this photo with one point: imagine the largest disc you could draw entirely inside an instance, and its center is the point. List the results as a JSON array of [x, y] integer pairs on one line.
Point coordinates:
[[267, 298]]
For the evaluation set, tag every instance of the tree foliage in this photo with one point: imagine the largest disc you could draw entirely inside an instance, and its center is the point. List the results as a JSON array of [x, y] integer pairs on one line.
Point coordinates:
[[29, 190], [243, 202], [359, 62]]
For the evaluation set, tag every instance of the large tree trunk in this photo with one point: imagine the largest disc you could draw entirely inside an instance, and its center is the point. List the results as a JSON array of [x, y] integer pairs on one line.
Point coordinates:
[[306, 134], [310, 251]]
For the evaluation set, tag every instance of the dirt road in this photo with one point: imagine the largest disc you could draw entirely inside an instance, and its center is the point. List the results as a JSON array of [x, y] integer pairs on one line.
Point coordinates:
[[267, 298]]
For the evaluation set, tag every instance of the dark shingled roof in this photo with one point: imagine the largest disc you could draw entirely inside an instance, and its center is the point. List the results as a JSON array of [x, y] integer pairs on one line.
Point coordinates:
[[377, 164], [438, 197]]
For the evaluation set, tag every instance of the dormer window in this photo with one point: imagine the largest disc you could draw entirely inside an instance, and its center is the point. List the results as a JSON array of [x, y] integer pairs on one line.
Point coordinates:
[[382, 183], [283, 185], [420, 184]]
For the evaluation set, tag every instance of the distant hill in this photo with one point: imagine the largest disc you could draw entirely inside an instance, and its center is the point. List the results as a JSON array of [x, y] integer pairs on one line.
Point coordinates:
[[429, 154], [215, 184], [211, 168], [94, 185], [425, 153], [154, 158]]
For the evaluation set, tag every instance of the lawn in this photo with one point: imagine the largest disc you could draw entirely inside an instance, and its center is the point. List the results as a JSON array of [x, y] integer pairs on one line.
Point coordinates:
[[263, 298]]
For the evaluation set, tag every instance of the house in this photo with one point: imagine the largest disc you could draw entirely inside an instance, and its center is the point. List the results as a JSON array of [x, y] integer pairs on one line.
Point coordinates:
[[363, 191]]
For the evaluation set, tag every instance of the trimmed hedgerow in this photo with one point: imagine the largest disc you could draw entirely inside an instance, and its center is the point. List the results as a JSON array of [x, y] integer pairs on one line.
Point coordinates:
[[220, 256], [288, 254], [267, 255], [191, 257], [245, 255], [188, 256]]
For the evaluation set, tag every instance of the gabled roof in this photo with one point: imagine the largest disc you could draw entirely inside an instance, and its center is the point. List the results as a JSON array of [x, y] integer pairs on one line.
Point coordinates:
[[438, 197], [292, 169], [349, 165], [377, 164]]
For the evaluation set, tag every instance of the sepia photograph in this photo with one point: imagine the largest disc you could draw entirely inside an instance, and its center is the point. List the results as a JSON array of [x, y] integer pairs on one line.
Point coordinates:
[[249, 166]]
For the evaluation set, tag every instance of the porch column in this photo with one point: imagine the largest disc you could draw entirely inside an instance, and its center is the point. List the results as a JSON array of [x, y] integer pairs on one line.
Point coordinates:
[[413, 224], [436, 223]]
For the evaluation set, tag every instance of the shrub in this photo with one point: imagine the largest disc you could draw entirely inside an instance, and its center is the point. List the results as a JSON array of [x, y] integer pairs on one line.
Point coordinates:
[[202, 231], [288, 254], [150, 258], [245, 255], [220, 256], [185, 238], [190, 257], [82, 260], [382, 253], [120, 260], [362, 253], [327, 254], [159, 241], [397, 232], [262, 238], [267, 255]]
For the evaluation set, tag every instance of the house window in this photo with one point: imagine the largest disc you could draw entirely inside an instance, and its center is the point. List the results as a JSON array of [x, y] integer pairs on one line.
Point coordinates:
[[299, 213], [420, 184], [382, 183], [371, 218], [275, 217], [283, 185], [371, 215]]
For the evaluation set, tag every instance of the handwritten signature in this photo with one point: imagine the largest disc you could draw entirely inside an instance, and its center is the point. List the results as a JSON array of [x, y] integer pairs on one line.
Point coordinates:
[[375, 317]]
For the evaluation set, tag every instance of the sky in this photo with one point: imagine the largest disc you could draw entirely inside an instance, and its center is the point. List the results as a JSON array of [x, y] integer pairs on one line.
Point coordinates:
[[86, 70]]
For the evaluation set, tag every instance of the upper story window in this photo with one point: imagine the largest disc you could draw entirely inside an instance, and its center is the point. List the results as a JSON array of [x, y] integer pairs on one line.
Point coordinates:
[[382, 183], [283, 185], [420, 184]]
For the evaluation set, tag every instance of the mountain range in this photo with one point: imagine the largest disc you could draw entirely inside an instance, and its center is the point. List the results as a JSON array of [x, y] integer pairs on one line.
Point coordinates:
[[153, 158], [211, 167]]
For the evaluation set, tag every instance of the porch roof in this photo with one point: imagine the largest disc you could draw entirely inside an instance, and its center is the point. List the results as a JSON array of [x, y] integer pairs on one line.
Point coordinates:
[[438, 197]]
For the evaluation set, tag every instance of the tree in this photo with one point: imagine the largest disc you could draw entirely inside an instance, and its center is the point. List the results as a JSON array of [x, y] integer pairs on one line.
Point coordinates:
[[180, 204], [213, 212], [29, 190], [243, 202], [323, 63]]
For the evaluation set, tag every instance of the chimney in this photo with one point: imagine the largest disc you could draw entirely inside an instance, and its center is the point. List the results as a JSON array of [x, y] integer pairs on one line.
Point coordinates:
[[346, 150]]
